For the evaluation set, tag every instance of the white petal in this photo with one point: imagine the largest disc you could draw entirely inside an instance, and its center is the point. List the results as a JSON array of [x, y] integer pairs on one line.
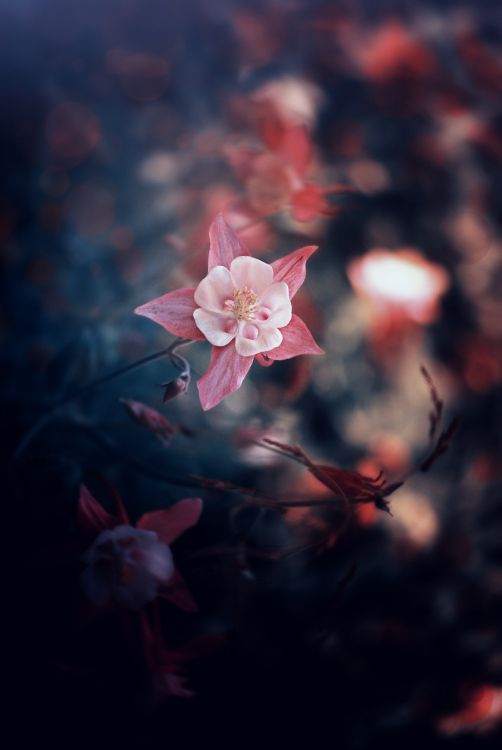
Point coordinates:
[[158, 561], [276, 299], [214, 289], [268, 338], [251, 272], [213, 326]]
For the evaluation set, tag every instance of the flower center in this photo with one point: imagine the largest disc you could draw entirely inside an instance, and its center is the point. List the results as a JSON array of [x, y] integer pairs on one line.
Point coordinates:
[[243, 305]]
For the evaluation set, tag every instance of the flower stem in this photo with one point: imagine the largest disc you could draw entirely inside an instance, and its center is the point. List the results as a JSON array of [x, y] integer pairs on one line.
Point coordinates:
[[75, 395]]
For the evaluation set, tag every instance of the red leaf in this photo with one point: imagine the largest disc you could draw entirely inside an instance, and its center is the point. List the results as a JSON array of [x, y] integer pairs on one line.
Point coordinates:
[[354, 487], [351, 486]]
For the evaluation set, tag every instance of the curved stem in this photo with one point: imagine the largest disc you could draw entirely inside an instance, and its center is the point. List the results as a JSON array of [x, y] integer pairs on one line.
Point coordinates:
[[46, 418]]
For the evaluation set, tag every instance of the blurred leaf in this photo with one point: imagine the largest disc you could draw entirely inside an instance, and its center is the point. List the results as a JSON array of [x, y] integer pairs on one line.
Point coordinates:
[[151, 419]]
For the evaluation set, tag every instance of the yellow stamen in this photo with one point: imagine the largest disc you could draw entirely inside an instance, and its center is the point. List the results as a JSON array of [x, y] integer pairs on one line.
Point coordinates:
[[243, 305]]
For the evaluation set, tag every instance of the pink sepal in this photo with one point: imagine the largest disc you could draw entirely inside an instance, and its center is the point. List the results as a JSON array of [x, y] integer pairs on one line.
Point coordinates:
[[292, 268], [297, 340], [225, 374], [224, 244], [169, 524], [174, 312]]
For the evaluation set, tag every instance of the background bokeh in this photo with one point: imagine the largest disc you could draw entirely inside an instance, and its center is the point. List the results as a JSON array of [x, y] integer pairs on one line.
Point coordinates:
[[125, 129]]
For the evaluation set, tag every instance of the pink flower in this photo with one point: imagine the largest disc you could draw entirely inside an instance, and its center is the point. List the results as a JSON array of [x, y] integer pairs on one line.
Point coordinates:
[[126, 565], [242, 307], [131, 566]]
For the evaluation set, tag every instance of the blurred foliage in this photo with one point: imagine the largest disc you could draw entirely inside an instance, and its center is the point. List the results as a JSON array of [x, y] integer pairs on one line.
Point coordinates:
[[128, 126]]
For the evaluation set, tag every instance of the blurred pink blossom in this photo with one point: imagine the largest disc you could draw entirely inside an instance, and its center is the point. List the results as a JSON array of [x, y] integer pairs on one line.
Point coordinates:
[[401, 282], [131, 566], [278, 176]]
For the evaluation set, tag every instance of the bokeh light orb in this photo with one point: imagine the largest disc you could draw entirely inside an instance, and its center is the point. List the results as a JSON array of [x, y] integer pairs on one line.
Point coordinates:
[[400, 280]]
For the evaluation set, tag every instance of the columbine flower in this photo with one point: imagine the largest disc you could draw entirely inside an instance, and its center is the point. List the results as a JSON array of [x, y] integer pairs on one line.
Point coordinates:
[[242, 307], [131, 566], [126, 565]]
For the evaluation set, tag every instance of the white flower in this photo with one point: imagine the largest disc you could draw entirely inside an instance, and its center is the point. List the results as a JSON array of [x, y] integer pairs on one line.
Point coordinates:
[[243, 304]]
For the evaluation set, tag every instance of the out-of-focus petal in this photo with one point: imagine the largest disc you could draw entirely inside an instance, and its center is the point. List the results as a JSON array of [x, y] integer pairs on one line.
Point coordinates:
[[150, 418], [291, 268], [169, 524], [297, 340], [308, 202], [174, 312], [224, 244], [251, 273], [214, 289], [296, 148], [158, 560], [219, 330], [226, 371]]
